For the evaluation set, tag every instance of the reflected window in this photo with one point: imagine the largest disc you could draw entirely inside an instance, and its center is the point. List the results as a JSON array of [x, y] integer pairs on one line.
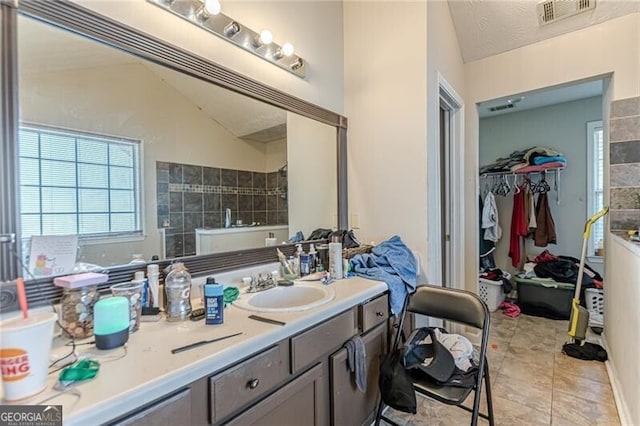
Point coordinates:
[[75, 182], [595, 178]]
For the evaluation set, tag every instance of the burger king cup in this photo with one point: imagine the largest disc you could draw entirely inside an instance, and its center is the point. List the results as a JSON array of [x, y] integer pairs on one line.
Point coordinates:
[[25, 347]]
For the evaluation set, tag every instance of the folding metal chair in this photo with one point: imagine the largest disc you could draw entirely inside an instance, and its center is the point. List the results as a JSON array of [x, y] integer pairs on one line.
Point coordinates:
[[462, 307]]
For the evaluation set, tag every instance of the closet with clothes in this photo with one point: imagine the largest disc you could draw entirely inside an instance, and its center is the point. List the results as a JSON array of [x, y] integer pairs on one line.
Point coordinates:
[[532, 197]]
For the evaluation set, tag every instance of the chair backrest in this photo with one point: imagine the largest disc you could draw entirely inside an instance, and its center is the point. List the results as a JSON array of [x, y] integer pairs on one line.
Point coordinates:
[[450, 304]]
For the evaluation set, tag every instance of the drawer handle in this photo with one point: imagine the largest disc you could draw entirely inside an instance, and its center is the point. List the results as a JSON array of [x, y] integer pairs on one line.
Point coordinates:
[[253, 383], [379, 314]]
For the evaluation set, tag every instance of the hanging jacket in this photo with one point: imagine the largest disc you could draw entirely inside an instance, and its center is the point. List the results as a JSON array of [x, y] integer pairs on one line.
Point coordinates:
[[546, 230]]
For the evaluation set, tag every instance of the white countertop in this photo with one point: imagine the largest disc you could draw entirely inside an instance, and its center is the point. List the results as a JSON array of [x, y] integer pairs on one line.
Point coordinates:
[[632, 246], [149, 370]]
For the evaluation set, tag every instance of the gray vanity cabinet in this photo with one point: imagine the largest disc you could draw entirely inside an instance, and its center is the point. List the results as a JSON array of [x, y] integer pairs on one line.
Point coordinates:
[[300, 402], [349, 405], [301, 380], [174, 410]]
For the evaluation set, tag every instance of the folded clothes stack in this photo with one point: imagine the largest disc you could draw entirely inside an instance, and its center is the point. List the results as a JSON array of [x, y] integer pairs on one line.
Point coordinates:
[[528, 160]]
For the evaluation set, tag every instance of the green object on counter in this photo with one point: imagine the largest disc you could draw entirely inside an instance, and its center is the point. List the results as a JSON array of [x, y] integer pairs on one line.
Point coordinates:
[[230, 294], [82, 370]]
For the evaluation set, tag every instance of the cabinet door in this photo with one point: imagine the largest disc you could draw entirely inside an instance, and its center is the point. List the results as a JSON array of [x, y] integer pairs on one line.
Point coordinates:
[[349, 406], [175, 410], [297, 403]]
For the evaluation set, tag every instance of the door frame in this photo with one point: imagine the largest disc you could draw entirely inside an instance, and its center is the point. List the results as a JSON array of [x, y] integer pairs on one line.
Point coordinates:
[[453, 102]]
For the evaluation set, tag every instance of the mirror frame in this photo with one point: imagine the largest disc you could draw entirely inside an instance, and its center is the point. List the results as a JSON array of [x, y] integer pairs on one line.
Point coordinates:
[[84, 22]]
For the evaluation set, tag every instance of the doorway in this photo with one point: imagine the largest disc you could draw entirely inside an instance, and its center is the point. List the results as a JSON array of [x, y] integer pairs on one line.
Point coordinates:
[[447, 225], [557, 117]]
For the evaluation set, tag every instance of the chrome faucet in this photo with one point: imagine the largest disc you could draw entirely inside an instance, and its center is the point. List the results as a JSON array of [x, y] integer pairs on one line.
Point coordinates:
[[227, 218], [261, 283]]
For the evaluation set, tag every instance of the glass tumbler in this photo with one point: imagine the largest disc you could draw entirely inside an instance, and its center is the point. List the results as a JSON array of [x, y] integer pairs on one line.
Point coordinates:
[[76, 314], [133, 292]]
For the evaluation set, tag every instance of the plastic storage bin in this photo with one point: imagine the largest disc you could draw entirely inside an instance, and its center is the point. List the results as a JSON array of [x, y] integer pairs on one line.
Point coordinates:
[[491, 292], [594, 299], [545, 298]]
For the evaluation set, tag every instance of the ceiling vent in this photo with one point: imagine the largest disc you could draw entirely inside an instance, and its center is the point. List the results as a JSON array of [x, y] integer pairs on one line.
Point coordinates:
[[501, 107], [553, 10], [511, 103]]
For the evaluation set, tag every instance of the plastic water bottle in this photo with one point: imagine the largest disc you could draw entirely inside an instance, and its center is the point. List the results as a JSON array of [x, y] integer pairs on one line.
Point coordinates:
[[178, 288]]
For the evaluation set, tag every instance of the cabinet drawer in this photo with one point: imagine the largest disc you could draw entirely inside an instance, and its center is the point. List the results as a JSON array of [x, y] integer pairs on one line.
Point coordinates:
[[320, 340], [374, 312], [299, 402], [174, 410], [247, 381]]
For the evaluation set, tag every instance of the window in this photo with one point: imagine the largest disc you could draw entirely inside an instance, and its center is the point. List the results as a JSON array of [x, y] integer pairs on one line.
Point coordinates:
[[78, 183], [595, 188]]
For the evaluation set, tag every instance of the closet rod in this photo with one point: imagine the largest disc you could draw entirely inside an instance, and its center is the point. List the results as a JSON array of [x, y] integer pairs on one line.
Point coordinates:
[[554, 169]]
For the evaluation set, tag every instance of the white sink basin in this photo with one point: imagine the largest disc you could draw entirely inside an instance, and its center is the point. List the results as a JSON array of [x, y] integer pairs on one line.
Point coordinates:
[[298, 297]]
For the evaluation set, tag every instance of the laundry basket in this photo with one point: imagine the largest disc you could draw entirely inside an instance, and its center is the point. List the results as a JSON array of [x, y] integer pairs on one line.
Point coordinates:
[[594, 299], [491, 292]]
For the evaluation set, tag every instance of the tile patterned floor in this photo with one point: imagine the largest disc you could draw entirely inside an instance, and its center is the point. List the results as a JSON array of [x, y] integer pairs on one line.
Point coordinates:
[[533, 382]]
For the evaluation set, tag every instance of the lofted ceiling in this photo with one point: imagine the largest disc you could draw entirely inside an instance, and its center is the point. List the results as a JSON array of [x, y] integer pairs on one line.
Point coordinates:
[[43, 48], [489, 27]]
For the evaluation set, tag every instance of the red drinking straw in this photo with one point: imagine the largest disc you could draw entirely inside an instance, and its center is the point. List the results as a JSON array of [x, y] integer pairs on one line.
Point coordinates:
[[22, 298]]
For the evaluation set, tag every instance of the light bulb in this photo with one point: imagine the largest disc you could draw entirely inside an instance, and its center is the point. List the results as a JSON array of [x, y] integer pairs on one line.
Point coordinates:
[[212, 7], [266, 37], [287, 49]]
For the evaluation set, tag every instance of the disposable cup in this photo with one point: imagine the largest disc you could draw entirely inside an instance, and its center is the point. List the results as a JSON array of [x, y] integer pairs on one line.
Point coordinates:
[[133, 292], [25, 348]]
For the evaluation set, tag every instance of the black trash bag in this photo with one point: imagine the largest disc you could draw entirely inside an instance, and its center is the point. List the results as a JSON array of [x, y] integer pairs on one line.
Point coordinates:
[[587, 351], [396, 387], [320, 234], [347, 238]]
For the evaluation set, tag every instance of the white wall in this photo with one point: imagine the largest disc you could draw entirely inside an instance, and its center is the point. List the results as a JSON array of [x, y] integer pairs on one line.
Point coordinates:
[[314, 28], [393, 115], [313, 181], [563, 127], [622, 331], [444, 66], [385, 46]]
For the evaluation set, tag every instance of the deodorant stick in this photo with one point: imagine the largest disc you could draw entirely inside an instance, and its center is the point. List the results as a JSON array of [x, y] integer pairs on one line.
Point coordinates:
[[335, 259]]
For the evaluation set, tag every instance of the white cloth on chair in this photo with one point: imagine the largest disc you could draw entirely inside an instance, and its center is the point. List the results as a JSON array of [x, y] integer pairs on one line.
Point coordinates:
[[464, 354]]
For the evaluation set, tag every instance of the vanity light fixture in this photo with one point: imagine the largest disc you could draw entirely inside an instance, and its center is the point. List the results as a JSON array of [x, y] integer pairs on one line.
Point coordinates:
[[285, 50], [231, 29], [207, 9], [207, 14]]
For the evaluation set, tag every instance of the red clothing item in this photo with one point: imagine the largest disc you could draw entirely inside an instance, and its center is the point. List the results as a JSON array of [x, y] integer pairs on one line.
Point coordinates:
[[519, 228]]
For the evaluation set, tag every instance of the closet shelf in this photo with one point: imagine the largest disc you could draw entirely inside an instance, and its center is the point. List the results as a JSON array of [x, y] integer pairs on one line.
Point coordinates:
[[518, 172]]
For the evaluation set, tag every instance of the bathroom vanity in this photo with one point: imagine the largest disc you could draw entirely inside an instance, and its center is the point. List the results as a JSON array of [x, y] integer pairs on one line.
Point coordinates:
[[294, 374]]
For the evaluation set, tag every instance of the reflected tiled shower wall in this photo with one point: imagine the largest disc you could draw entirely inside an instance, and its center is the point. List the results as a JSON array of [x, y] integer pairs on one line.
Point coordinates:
[[191, 197], [624, 169]]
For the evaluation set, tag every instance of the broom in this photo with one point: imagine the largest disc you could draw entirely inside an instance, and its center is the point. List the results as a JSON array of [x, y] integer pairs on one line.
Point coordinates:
[[579, 314]]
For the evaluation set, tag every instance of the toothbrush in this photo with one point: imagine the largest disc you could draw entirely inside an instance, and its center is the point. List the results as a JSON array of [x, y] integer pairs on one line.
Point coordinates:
[[284, 262]]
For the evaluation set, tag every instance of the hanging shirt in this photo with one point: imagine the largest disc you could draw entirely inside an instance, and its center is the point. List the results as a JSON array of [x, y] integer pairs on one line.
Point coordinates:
[[519, 227], [490, 224]]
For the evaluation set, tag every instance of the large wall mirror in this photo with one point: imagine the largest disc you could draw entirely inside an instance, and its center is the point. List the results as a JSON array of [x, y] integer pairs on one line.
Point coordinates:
[[140, 159]]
